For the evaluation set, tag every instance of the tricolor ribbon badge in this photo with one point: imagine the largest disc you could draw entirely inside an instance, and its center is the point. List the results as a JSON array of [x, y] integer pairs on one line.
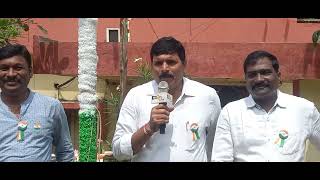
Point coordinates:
[[22, 126], [283, 135], [194, 129]]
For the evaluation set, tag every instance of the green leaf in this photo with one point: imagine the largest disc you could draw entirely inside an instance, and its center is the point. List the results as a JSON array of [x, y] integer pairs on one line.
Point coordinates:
[[316, 37], [10, 29], [25, 27], [31, 21]]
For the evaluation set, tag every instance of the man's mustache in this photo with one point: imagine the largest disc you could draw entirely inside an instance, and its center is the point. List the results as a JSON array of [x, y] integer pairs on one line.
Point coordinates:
[[165, 75], [259, 85], [11, 80]]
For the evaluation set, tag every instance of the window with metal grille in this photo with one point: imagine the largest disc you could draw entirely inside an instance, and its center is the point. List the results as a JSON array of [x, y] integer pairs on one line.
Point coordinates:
[[113, 34]]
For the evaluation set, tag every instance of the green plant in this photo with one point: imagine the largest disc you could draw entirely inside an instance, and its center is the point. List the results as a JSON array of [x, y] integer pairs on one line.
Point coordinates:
[[316, 37], [143, 70], [107, 146], [112, 108], [112, 102], [144, 75], [11, 28]]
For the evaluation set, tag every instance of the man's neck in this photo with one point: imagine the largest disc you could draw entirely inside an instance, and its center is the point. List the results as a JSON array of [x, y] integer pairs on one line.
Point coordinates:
[[176, 93], [14, 99], [267, 103]]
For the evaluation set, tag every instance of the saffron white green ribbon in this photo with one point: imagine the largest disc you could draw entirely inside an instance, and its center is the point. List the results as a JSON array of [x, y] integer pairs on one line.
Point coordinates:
[[194, 130], [22, 126], [283, 135]]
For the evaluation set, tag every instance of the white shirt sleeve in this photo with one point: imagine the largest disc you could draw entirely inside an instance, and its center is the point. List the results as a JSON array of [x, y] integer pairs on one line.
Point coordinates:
[[212, 125], [223, 144], [315, 131], [126, 126]]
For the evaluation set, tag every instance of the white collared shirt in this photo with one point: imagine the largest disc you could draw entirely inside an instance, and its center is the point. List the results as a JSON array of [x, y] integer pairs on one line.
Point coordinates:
[[198, 104], [246, 132]]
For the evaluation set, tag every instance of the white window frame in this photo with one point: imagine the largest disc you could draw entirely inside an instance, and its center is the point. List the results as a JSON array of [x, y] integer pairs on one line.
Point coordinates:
[[107, 33]]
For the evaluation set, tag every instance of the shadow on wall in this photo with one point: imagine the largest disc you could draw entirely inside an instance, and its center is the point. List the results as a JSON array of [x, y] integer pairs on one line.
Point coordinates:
[[230, 93], [312, 60], [46, 57]]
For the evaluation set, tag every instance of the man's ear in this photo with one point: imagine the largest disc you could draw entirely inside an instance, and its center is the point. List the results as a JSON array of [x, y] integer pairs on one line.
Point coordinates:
[[185, 63], [30, 73], [245, 76], [279, 77]]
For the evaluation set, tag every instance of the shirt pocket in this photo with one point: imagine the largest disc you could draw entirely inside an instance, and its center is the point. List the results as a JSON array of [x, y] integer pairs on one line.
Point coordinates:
[[290, 145], [42, 127]]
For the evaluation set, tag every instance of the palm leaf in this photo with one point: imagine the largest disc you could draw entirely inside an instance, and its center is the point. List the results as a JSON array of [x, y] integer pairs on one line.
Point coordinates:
[[316, 37]]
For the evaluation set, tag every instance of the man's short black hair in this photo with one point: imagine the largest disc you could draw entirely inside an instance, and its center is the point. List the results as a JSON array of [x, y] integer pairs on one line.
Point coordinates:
[[253, 57], [11, 50], [168, 45]]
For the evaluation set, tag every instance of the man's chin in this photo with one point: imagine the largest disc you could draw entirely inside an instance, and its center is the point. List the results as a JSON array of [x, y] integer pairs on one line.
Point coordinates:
[[168, 80], [10, 89], [262, 95]]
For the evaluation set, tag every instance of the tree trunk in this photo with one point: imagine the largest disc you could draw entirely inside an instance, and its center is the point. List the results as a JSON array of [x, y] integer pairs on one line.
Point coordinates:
[[123, 58]]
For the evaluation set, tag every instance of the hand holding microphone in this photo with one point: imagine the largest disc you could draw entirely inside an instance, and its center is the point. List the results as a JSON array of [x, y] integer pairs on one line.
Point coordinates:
[[160, 113]]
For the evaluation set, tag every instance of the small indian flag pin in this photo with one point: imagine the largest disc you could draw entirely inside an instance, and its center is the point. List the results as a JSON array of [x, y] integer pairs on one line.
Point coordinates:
[[37, 125]]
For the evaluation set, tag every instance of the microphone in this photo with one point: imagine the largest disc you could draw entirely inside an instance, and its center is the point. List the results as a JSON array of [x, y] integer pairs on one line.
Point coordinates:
[[164, 98]]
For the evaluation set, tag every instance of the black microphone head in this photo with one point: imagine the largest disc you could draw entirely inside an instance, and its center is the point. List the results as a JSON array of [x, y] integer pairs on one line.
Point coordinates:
[[163, 86]]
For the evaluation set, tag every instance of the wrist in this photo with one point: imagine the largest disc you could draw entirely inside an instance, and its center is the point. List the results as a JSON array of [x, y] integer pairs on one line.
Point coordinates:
[[147, 130]]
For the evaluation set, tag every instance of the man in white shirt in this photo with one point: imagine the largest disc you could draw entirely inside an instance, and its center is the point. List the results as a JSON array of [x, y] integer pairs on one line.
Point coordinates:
[[268, 125], [190, 123]]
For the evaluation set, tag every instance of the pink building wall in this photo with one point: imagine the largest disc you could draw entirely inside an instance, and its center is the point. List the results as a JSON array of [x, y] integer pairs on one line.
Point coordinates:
[[204, 30]]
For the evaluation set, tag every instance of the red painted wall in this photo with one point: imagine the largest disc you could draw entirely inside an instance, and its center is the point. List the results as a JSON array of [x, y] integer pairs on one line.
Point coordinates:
[[216, 47], [204, 30], [205, 60]]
